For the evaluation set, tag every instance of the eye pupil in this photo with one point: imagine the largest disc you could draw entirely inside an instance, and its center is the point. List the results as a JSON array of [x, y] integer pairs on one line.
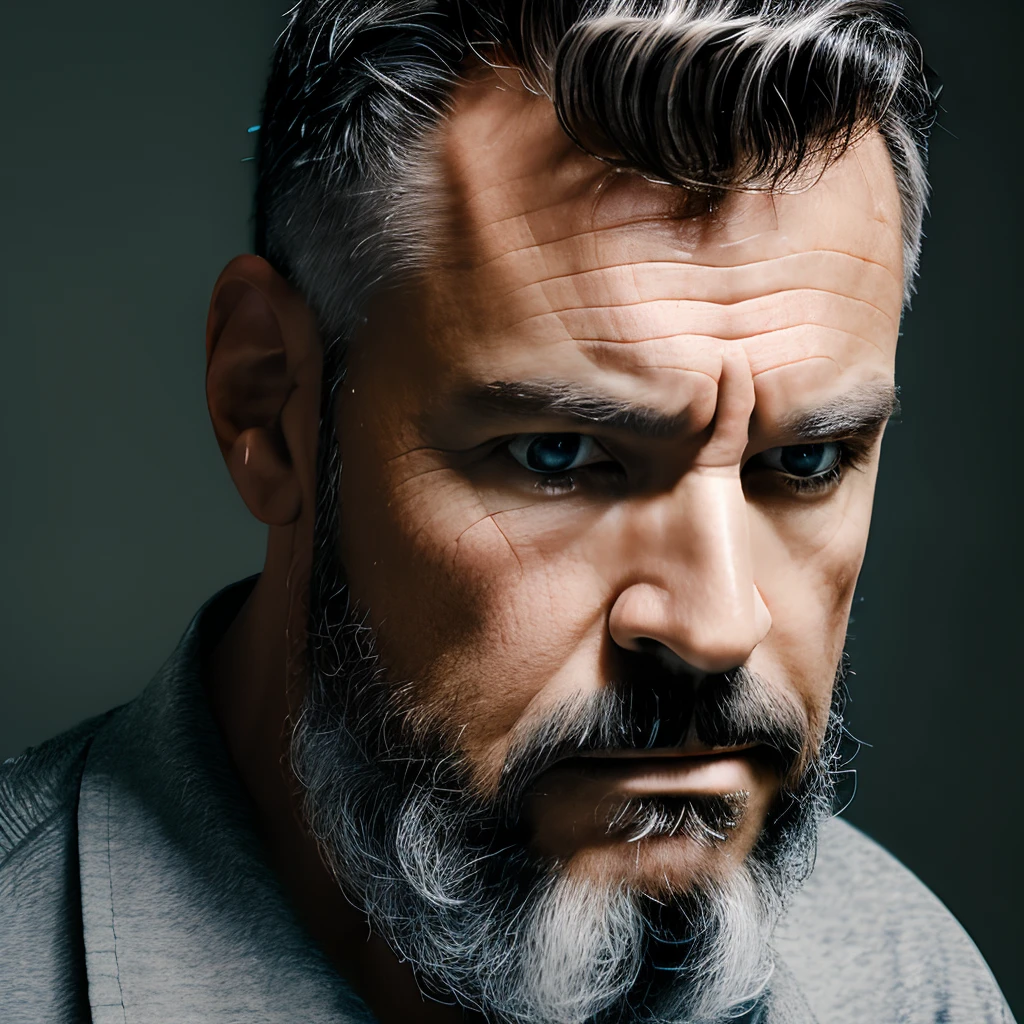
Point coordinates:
[[808, 459], [553, 453]]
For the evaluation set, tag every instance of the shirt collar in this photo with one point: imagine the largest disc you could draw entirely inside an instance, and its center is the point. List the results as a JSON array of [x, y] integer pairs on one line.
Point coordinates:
[[183, 918]]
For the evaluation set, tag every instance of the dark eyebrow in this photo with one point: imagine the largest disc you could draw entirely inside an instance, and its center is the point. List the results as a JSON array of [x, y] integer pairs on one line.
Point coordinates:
[[858, 411]]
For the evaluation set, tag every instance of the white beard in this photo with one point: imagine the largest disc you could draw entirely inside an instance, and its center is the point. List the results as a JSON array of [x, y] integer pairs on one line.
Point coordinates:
[[585, 942], [483, 920]]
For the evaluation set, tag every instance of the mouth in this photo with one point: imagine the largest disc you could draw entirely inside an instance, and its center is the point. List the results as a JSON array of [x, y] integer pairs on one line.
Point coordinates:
[[690, 750], [694, 792], [697, 771]]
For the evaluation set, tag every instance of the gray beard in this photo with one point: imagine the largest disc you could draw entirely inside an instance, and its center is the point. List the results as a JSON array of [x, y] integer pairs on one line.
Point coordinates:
[[449, 881]]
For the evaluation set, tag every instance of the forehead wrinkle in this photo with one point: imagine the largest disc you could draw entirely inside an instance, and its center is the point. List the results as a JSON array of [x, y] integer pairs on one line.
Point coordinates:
[[573, 236], [780, 351], [686, 309], [590, 183], [494, 225], [506, 149], [566, 197], [799, 361], [702, 274], [683, 261], [699, 376], [814, 227], [675, 257], [673, 368], [562, 182], [542, 229], [667, 212], [817, 332], [700, 352], [665, 232], [525, 230], [639, 214], [744, 339], [647, 238], [690, 371], [545, 162]]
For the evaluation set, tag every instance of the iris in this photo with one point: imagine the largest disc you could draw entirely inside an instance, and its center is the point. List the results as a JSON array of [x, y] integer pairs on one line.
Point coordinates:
[[808, 460], [553, 453]]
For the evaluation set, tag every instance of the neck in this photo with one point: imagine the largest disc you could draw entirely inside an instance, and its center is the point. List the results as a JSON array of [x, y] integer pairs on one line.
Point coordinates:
[[248, 683]]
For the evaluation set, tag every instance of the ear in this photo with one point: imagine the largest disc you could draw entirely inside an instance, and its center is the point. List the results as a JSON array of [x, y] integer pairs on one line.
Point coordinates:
[[263, 366]]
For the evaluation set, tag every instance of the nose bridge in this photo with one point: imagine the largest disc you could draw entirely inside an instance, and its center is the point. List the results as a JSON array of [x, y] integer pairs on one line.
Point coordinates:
[[706, 554], [695, 591]]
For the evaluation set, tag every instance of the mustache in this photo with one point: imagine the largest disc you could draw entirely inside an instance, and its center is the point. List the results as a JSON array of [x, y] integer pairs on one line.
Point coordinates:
[[647, 706], [730, 709]]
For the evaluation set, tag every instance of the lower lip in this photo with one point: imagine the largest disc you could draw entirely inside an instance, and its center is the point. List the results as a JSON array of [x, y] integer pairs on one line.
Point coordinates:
[[569, 804], [647, 776]]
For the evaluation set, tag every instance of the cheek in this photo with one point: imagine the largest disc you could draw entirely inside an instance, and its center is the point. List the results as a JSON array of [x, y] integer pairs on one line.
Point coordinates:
[[806, 569], [479, 617]]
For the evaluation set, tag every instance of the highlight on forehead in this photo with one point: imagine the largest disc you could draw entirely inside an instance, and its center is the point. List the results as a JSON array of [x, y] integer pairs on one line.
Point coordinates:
[[709, 95]]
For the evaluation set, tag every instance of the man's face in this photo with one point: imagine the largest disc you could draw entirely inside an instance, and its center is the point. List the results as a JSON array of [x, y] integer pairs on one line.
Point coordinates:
[[608, 432]]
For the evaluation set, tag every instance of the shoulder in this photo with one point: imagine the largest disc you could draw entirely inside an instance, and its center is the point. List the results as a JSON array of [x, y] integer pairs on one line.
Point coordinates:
[[40, 787], [869, 941], [40, 910]]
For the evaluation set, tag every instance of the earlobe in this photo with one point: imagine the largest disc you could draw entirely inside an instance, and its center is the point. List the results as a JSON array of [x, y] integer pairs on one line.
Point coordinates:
[[258, 352]]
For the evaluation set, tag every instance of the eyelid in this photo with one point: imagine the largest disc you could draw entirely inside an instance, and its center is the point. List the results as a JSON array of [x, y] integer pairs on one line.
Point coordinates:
[[598, 453], [856, 446], [775, 463]]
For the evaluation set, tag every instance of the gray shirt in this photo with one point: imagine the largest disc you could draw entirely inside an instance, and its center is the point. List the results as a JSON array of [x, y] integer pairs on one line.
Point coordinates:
[[133, 890]]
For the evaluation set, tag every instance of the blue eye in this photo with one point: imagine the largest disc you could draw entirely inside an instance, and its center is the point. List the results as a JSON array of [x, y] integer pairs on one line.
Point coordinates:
[[804, 461], [555, 453]]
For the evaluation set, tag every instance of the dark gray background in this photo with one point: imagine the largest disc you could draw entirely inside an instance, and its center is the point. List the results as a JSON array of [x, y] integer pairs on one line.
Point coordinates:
[[123, 193]]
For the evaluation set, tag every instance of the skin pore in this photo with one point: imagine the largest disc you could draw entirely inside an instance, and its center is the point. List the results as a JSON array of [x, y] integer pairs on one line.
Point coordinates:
[[679, 353]]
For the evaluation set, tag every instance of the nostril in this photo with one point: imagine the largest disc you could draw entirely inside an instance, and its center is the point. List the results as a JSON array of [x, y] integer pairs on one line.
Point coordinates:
[[689, 630], [668, 659]]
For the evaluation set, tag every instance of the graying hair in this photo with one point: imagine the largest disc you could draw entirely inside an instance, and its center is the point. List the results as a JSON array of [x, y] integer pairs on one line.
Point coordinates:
[[712, 95]]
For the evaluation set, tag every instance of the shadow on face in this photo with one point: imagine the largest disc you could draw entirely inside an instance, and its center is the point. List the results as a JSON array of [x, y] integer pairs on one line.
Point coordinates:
[[608, 428]]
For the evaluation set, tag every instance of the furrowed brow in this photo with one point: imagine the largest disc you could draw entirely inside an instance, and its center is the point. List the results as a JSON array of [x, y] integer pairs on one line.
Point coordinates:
[[861, 411], [566, 400]]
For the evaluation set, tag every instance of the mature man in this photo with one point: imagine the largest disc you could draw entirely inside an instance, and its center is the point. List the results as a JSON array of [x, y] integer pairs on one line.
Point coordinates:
[[560, 383]]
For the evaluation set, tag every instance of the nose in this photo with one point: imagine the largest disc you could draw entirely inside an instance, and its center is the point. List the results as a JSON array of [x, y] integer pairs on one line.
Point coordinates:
[[694, 592], [690, 587]]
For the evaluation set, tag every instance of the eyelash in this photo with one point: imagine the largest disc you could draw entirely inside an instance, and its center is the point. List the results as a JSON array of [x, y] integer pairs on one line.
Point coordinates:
[[565, 483], [818, 484], [852, 454]]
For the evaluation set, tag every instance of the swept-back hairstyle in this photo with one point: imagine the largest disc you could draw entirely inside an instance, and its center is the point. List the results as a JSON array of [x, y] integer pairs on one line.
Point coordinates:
[[710, 95], [707, 94]]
